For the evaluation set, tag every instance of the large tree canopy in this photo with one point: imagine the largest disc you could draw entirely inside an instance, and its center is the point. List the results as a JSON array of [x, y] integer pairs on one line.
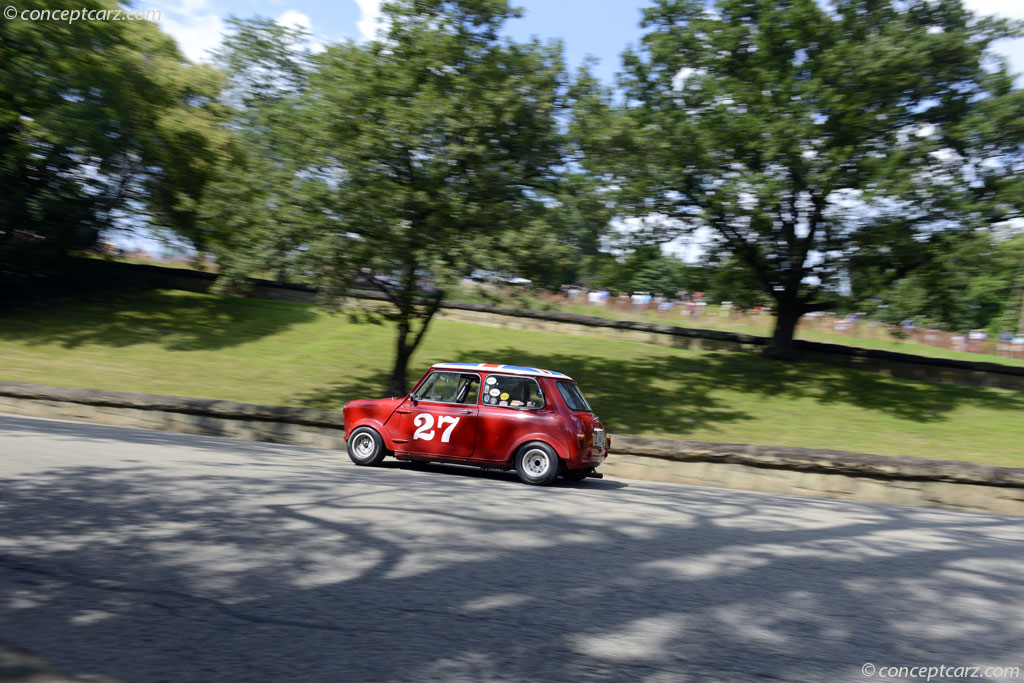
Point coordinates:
[[261, 207], [421, 151], [831, 150], [94, 115]]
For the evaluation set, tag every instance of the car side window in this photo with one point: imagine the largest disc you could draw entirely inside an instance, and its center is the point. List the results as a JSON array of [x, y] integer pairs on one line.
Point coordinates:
[[449, 387], [573, 397], [513, 391]]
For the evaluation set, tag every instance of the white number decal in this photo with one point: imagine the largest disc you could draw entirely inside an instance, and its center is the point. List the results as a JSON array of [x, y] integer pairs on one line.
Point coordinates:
[[425, 424], [448, 432]]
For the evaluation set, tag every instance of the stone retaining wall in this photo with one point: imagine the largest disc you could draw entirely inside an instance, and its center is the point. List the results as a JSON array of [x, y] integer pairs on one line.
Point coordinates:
[[896, 480], [818, 473], [274, 424]]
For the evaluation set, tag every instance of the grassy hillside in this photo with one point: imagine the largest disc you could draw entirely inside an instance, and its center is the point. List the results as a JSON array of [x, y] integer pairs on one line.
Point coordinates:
[[715, 320], [294, 354]]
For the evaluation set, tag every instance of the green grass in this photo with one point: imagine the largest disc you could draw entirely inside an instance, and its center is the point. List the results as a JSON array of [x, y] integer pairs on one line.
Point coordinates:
[[713, 320], [282, 353]]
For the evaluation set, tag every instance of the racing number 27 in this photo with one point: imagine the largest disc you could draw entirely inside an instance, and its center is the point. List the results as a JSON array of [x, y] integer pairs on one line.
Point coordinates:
[[425, 427]]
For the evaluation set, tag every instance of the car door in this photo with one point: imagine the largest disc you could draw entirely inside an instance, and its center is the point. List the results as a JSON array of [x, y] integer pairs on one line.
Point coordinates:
[[440, 417], [512, 407]]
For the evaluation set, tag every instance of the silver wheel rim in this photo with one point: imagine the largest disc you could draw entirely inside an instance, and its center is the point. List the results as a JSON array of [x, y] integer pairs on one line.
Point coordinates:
[[536, 462], [363, 446]]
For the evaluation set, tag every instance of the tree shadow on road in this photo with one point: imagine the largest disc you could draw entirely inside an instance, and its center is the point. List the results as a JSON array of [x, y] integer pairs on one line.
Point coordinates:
[[304, 569]]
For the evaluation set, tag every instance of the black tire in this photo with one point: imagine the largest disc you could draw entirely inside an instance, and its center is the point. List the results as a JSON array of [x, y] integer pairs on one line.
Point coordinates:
[[537, 464], [365, 447]]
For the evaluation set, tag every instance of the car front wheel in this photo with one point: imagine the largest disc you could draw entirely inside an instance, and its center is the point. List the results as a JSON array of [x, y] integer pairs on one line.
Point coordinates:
[[365, 447], [537, 463]]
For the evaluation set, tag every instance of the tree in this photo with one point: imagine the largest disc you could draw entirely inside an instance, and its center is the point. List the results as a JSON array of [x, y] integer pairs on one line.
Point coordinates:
[[427, 147], [97, 119], [185, 143], [830, 150], [562, 243], [975, 285], [443, 138], [261, 209]]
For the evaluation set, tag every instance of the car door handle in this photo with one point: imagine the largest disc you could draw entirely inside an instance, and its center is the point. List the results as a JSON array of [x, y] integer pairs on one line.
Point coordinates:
[[466, 412]]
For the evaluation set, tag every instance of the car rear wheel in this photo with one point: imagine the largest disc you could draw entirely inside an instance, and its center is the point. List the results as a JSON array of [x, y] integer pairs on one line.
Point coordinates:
[[537, 463], [365, 447]]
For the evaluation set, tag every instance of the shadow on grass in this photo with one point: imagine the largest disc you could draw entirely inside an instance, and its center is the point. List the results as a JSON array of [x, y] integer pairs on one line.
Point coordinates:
[[334, 396], [175, 320], [683, 392]]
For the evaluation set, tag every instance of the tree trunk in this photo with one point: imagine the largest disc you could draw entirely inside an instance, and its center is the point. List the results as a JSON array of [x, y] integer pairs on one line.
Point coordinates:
[[396, 385], [405, 348], [781, 346]]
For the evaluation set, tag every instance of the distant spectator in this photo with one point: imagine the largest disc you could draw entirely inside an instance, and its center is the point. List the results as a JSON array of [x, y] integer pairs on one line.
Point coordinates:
[[975, 339], [1004, 345], [641, 300], [1017, 347]]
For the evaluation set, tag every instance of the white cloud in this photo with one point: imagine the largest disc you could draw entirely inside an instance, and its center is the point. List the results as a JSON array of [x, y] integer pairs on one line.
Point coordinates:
[[293, 18], [369, 18], [197, 29], [1011, 49]]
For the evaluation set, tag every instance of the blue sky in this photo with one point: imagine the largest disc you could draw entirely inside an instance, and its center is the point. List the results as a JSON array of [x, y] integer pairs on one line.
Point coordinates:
[[601, 28]]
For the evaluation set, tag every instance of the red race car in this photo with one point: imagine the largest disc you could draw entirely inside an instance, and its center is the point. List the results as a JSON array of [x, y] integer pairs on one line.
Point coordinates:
[[495, 416]]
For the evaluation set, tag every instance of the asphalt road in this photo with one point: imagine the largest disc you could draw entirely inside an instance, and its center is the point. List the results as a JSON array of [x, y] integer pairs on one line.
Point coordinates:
[[146, 556]]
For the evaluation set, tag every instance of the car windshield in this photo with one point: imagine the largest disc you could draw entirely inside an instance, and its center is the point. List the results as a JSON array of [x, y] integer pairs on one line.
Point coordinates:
[[448, 387], [573, 397]]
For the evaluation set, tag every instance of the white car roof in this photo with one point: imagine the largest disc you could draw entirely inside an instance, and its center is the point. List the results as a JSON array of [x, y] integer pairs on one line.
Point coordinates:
[[506, 369]]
